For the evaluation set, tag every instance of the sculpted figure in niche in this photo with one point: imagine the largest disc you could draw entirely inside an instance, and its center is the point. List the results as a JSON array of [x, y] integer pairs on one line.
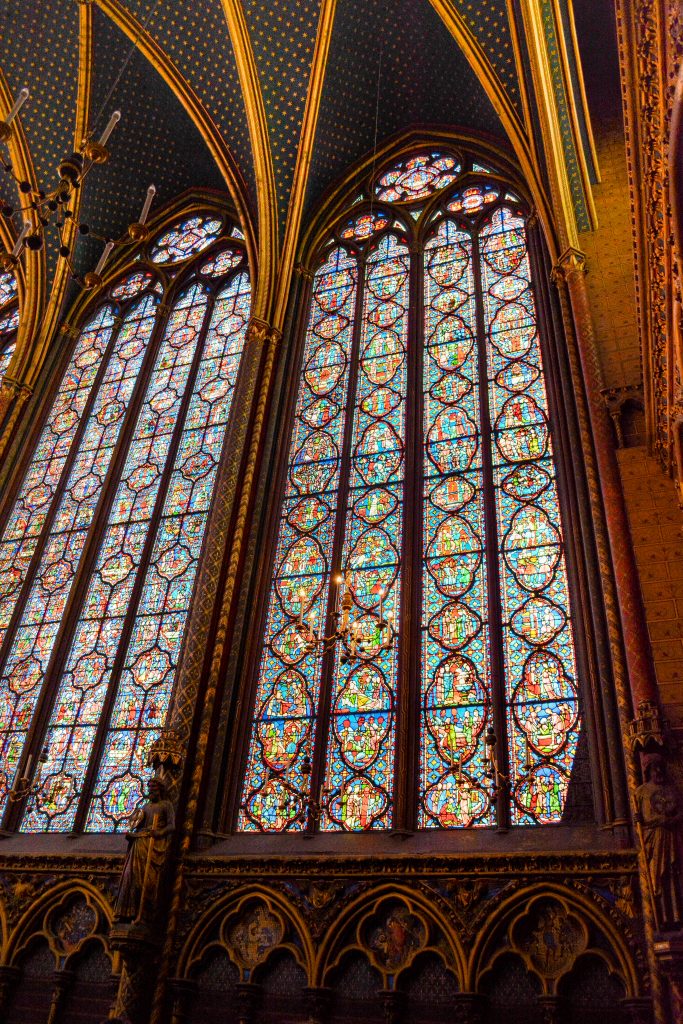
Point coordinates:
[[148, 841], [660, 817]]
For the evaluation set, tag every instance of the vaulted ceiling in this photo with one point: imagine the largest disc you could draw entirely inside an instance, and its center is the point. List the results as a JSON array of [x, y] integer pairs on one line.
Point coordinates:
[[273, 100]]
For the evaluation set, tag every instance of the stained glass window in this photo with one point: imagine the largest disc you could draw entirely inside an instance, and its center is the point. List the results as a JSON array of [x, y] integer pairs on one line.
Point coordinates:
[[9, 319], [421, 497], [101, 548]]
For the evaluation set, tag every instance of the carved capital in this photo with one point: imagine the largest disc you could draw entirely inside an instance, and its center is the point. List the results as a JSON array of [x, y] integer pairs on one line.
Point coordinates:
[[166, 753], [572, 261], [304, 272], [261, 332], [15, 389], [646, 731], [70, 332]]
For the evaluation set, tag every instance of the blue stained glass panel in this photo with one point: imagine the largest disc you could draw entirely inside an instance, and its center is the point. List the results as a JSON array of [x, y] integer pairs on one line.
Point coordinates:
[[276, 784], [540, 669], [32, 645], [455, 683], [358, 785]]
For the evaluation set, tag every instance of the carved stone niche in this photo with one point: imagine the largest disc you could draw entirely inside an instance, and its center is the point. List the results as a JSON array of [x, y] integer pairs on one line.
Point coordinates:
[[550, 960]]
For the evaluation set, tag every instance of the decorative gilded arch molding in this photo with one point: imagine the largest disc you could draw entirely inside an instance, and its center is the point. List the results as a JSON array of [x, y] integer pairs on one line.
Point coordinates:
[[365, 924], [188, 202], [46, 916], [393, 148], [304, 155], [571, 919], [263, 161], [554, 226], [31, 271], [248, 926]]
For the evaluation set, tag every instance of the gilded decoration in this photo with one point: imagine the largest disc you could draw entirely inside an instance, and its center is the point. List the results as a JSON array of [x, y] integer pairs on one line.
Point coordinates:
[[395, 925]]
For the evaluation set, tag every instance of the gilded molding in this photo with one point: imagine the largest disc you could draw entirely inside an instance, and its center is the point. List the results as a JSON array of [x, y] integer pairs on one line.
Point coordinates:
[[551, 218], [31, 272], [263, 161], [303, 159], [572, 261], [264, 338]]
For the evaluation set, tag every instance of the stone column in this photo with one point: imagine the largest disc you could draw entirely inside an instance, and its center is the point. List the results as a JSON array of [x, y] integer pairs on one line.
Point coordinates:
[[8, 979], [639, 691], [570, 271]]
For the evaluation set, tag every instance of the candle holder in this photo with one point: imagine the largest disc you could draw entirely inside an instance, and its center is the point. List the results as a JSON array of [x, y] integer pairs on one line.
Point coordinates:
[[347, 631], [28, 785], [96, 153], [138, 232]]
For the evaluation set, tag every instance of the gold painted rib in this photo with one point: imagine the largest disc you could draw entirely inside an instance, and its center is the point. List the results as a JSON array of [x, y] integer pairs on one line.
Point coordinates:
[[303, 161], [264, 292]]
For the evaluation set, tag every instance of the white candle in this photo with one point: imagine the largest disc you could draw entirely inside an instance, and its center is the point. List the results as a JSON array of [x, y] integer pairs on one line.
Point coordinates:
[[340, 591], [111, 124], [17, 105], [104, 257], [301, 607], [19, 244], [151, 192]]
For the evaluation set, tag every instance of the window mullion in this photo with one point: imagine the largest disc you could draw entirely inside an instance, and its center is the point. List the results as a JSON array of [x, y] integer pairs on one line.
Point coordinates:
[[408, 689], [495, 616], [46, 528], [136, 593], [64, 636], [328, 661]]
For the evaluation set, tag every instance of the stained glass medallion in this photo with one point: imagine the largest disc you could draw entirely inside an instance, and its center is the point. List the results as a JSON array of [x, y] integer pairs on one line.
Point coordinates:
[[132, 285], [189, 237], [365, 225], [360, 757], [537, 635], [417, 177], [277, 783], [473, 199], [223, 262], [455, 686]]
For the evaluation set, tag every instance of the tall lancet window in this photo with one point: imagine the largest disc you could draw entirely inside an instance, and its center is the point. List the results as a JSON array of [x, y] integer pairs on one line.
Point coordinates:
[[100, 549], [9, 319], [421, 519]]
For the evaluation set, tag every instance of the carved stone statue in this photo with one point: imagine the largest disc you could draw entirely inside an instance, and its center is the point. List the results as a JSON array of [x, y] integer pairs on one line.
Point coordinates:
[[660, 817], [148, 841]]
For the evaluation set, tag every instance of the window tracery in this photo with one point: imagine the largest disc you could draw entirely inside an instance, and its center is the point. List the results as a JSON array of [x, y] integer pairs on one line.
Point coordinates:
[[102, 545], [421, 471]]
